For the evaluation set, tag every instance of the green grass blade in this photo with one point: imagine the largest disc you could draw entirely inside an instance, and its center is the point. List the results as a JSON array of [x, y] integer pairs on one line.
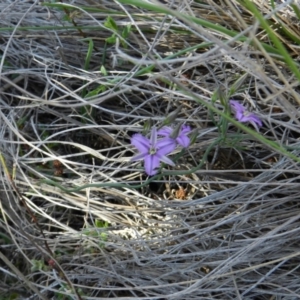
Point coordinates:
[[264, 23], [198, 21]]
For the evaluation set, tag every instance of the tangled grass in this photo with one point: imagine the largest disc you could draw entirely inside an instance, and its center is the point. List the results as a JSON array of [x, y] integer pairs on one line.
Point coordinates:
[[79, 219]]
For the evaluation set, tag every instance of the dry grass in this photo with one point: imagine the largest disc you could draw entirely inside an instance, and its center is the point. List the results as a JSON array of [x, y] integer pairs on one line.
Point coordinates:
[[79, 220]]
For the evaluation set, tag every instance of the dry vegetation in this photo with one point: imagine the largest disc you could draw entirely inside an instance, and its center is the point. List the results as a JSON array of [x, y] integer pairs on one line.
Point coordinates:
[[79, 220]]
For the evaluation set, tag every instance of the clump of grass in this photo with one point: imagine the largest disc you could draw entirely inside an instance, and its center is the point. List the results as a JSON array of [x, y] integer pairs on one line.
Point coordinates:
[[79, 219]]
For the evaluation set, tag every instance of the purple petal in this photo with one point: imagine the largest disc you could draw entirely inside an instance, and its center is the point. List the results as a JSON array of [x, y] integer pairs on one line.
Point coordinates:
[[140, 142], [165, 146], [183, 141], [139, 156], [153, 138], [167, 160], [254, 125], [251, 118], [236, 106], [243, 116], [185, 129], [165, 131], [256, 120], [240, 116], [151, 164]]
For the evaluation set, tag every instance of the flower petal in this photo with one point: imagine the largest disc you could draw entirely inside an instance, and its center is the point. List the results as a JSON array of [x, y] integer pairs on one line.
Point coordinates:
[[165, 131], [256, 119], [256, 122], [151, 164], [139, 156], [254, 125], [165, 146], [153, 137], [183, 140], [252, 118], [243, 116], [240, 116], [167, 161], [140, 142], [236, 106], [185, 129]]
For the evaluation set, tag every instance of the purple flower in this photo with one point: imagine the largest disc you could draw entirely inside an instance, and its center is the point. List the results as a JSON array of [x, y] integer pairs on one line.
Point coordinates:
[[243, 116], [181, 139], [153, 151]]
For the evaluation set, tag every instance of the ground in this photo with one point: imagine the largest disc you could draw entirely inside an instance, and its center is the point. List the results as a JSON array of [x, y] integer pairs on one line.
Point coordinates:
[[80, 219]]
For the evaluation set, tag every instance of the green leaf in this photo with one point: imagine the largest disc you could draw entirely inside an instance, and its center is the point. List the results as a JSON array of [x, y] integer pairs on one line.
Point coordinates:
[[66, 18], [147, 126], [95, 92], [88, 54], [235, 87], [37, 265], [289, 34], [5, 238], [144, 71], [171, 117], [194, 136], [125, 32], [101, 224], [111, 40], [103, 71], [215, 96], [111, 24], [296, 10]]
